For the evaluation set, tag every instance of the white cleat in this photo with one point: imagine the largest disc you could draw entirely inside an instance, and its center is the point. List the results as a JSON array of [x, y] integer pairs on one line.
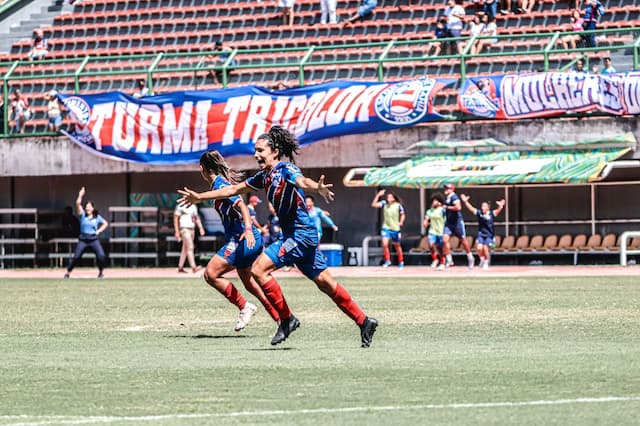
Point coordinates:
[[245, 316], [434, 264], [471, 262]]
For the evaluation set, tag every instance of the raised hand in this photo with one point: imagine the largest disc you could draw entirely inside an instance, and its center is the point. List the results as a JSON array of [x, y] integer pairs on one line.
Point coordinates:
[[464, 197], [81, 192], [188, 198], [325, 189]]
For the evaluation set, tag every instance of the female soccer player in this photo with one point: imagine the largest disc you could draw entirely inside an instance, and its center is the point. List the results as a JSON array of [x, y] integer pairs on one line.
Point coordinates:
[[486, 230], [91, 225], [393, 220], [243, 242], [434, 222], [284, 184]]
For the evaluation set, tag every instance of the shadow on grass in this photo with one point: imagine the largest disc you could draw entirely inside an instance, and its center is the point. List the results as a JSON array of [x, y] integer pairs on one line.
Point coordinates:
[[209, 336], [273, 349]]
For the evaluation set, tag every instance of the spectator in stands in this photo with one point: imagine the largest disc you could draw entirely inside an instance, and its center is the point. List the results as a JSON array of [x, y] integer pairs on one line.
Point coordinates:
[[364, 11], [39, 46], [287, 11], [490, 7], [476, 26], [486, 229], [526, 6], [455, 20], [141, 90], [328, 11], [607, 67], [54, 112], [441, 31], [20, 111], [185, 220], [489, 29], [91, 226], [219, 57], [594, 10], [394, 218], [573, 40], [579, 67]]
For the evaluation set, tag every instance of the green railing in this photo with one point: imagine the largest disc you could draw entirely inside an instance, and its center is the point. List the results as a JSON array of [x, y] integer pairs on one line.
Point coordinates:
[[378, 55]]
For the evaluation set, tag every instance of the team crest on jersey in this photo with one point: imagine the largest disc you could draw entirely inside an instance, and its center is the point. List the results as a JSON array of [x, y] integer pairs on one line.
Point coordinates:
[[79, 110], [404, 103]]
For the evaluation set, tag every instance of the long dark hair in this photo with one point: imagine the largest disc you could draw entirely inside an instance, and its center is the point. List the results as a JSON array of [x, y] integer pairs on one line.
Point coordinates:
[[95, 210], [212, 161], [283, 140]]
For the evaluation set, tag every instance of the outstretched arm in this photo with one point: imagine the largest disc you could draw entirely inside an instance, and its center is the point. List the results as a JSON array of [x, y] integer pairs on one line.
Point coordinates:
[[319, 187], [327, 220], [465, 199], [500, 204], [79, 201], [190, 196]]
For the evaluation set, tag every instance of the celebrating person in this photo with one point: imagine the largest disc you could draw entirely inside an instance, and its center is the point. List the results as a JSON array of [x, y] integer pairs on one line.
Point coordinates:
[[91, 226], [486, 229], [285, 185], [434, 222], [318, 216], [454, 225], [243, 242], [394, 218]]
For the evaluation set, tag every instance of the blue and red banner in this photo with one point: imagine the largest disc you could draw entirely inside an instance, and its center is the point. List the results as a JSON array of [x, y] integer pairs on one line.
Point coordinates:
[[178, 127], [532, 95]]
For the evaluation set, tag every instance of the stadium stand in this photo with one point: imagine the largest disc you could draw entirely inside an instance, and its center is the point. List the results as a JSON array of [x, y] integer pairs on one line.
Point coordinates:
[[145, 28]]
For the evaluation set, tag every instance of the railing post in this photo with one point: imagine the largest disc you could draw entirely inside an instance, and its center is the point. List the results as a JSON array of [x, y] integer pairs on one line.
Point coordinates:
[[548, 48], [463, 56], [225, 67], [636, 49], [76, 74], [381, 59], [5, 94], [303, 61], [150, 71]]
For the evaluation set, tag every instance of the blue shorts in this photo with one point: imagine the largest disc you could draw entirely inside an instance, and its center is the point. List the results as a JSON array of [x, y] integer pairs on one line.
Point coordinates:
[[435, 240], [304, 254], [485, 240], [394, 236], [367, 7], [456, 229], [238, 254]]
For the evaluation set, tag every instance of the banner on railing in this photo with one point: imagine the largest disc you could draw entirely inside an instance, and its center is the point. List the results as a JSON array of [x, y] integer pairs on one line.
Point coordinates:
[[549, 94], [178, 127]]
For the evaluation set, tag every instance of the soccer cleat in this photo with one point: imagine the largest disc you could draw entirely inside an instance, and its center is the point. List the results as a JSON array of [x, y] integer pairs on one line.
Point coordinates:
[[471, 262], [367, 329], [286, 327], [485, 265], [66, 276], [100, 275], [434, 264], [386, 264], [400, 265], [449, 264], [245, 316], [441, 267]]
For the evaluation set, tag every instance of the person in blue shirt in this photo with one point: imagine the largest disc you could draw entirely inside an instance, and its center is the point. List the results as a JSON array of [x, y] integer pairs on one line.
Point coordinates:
[[318, 216], [593, 11], [285, 185], [243, 242], [454, 225], [486, 229], [91, 226]]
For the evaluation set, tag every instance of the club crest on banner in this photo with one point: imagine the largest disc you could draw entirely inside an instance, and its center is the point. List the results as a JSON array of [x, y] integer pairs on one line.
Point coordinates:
[[404, 103], [79, 110]]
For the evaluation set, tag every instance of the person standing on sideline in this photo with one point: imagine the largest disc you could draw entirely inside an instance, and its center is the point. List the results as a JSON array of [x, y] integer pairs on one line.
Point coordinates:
[[486, 229], [253, 202], [243, 242], [185, 220], [454, 225], [285, 185], [91, 226], [394, 218], [434, 222], [318, 216]]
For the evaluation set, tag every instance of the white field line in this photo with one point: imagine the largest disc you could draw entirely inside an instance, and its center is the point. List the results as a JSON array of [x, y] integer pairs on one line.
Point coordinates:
[[27, 420]]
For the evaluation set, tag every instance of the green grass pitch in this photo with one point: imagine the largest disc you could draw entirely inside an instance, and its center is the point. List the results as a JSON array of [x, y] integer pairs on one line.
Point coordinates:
[[533, 351]]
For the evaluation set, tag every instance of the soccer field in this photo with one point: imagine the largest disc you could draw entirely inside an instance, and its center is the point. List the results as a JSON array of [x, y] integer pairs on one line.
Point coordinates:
[[458, 351]]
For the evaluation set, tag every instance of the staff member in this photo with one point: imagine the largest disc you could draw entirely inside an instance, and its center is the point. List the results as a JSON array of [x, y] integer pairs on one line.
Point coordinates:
[[91, 225], [185, 220]]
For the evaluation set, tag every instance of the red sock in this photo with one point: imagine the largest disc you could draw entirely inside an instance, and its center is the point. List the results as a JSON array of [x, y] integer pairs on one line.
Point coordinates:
[[274, 293], [434, 256], [400, 256], [343, 299], [234, 296], [273, 313], [387, 255]]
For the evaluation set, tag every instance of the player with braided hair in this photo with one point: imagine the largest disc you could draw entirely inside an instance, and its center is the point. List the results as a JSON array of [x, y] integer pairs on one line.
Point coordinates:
[[243, 242], [285, 185]]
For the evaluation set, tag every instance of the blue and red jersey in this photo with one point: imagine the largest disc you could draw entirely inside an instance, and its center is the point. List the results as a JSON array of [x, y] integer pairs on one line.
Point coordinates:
[[228, 210], [287, 199]]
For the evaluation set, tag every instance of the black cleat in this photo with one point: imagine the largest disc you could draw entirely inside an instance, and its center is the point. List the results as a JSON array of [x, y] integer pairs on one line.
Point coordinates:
[[286, 327], [367, 329]]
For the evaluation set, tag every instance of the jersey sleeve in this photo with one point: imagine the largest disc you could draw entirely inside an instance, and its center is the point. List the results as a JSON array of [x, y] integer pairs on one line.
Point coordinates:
[[291, 173], [256, 181], [100, 220], [221, 183], [401, 209]]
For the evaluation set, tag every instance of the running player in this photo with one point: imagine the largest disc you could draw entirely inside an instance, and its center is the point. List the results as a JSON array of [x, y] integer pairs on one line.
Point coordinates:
[[393, 220], [284, 184], [91, 225], [243, 243], [454, 225], [318, 216], [486, 229], [434, 222]]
